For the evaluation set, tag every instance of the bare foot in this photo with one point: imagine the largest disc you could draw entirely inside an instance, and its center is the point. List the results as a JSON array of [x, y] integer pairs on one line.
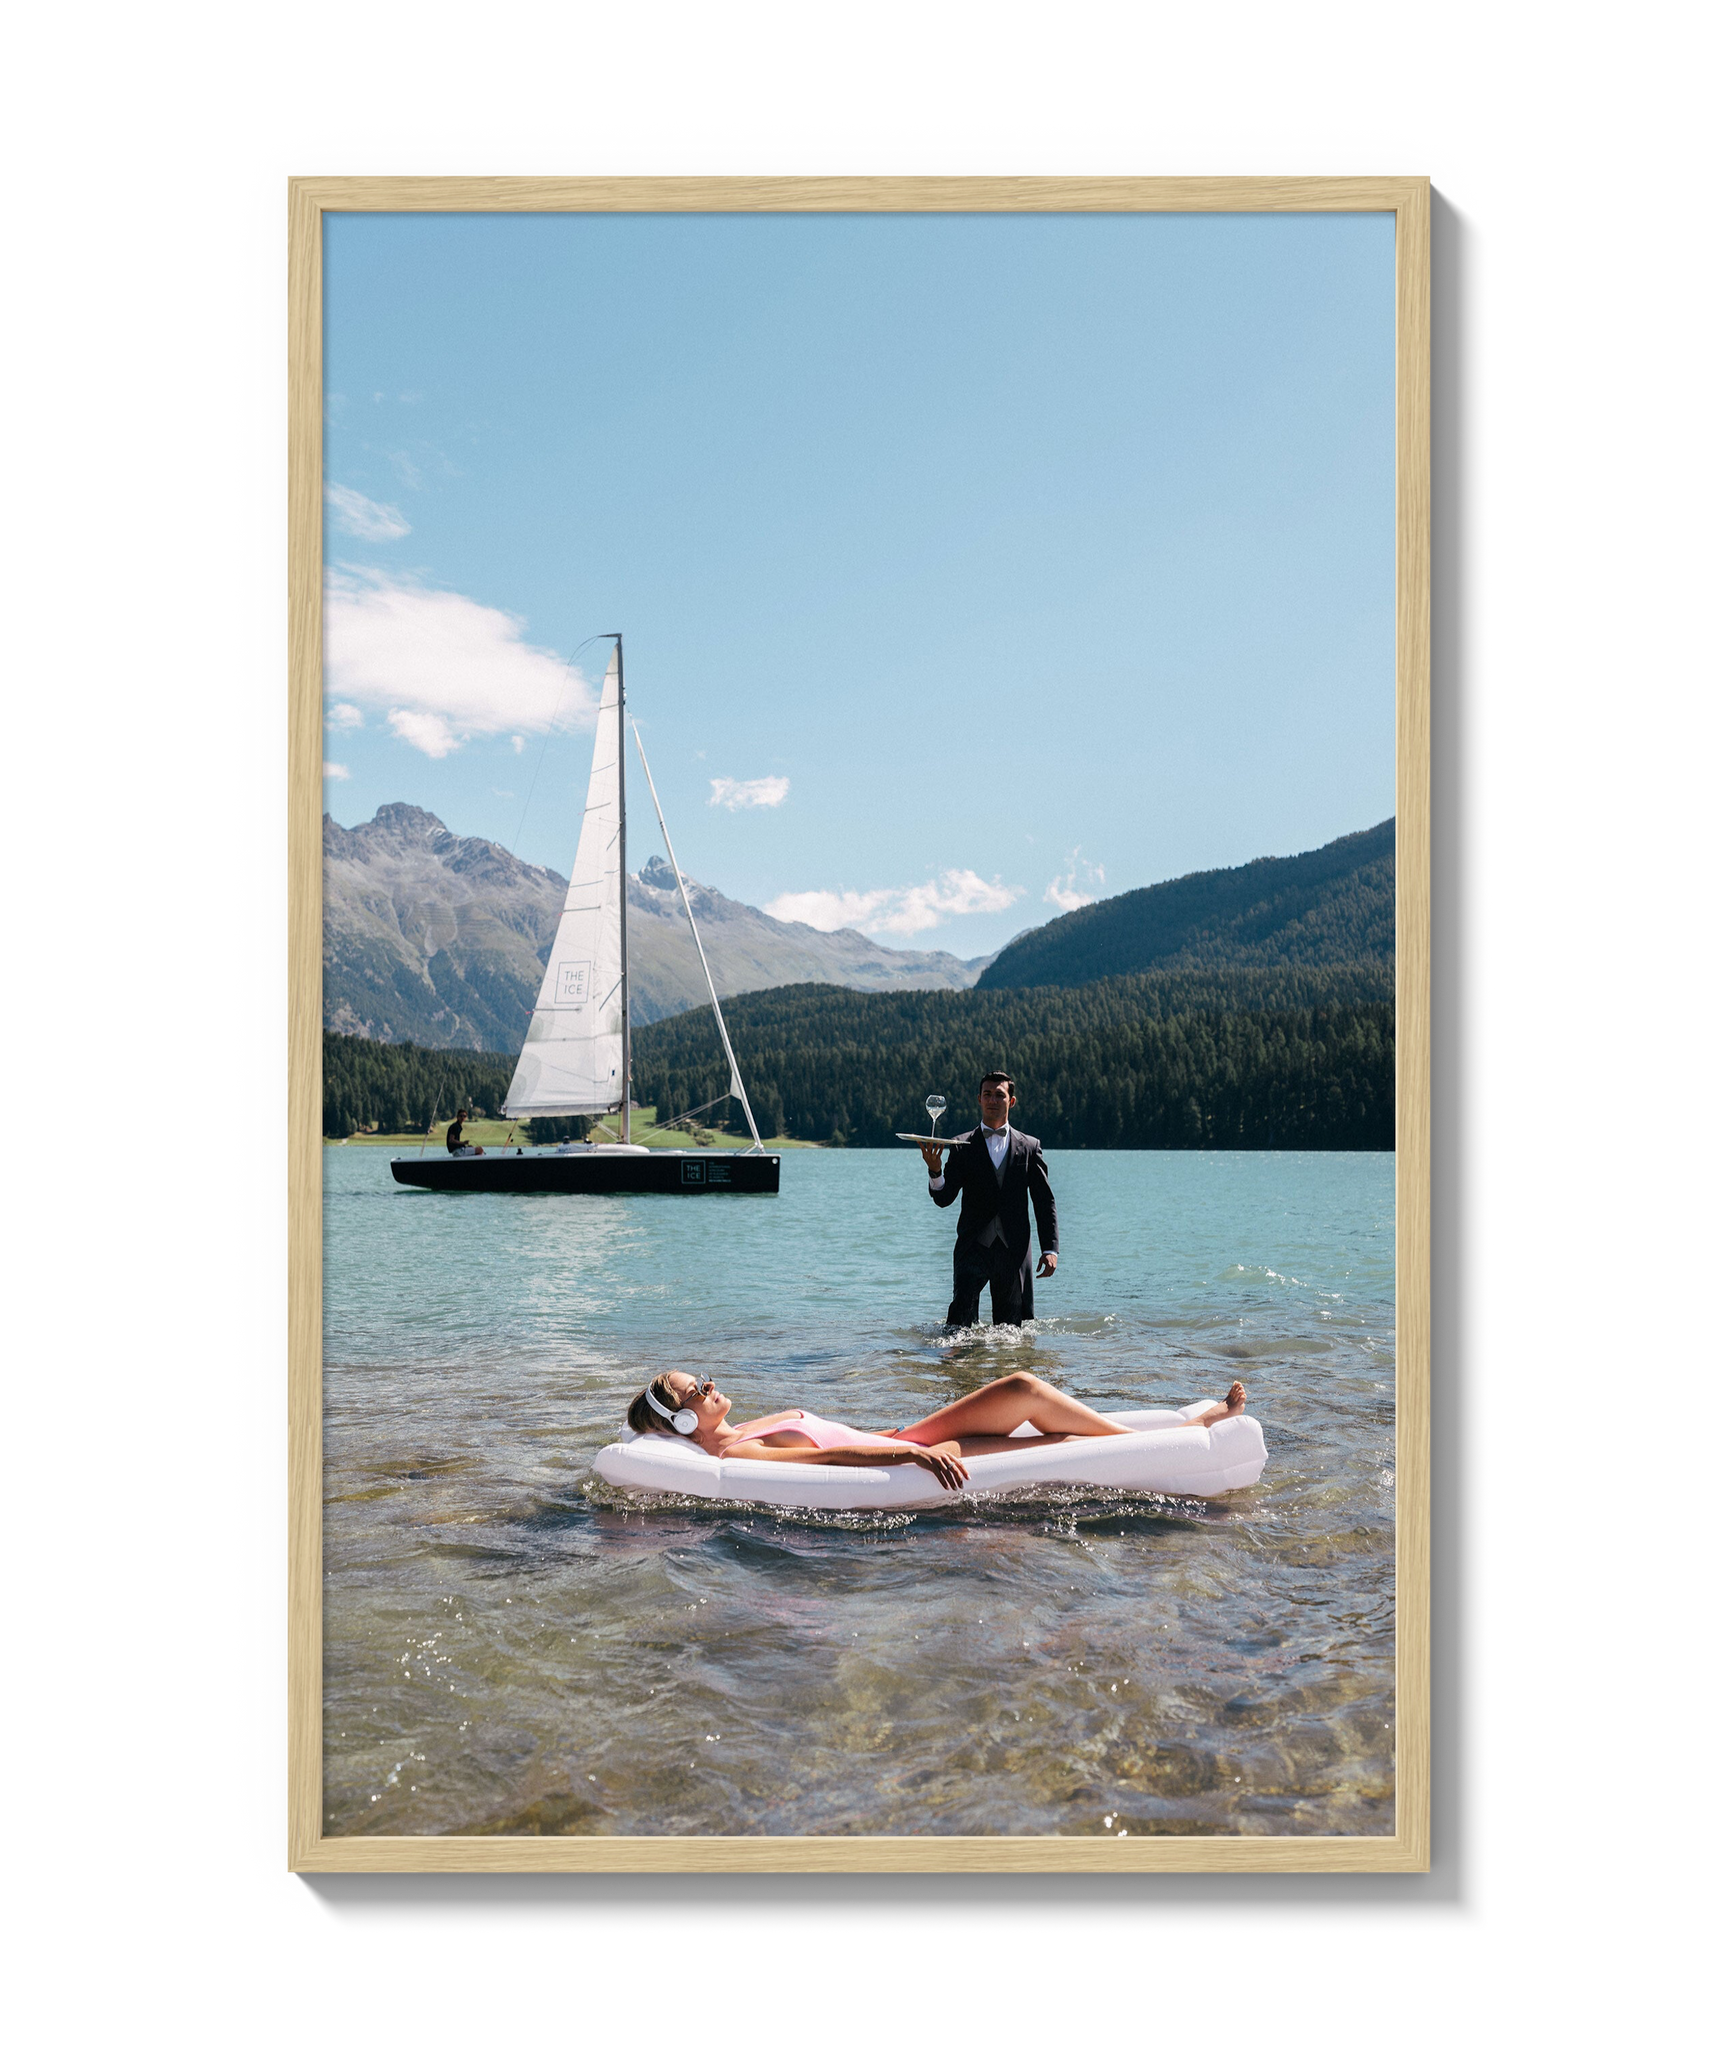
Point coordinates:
[[1233, 1403]]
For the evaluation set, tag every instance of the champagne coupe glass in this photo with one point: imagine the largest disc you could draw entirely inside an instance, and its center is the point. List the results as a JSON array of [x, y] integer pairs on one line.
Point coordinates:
[[936, 1104]]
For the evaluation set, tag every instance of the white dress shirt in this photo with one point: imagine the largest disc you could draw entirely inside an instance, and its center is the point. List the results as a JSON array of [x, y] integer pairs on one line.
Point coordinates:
[[995, 1143]]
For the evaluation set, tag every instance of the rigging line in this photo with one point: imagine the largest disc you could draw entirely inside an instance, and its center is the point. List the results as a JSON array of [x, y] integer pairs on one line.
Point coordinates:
[[686, 1117], [735, 1084], [548, 734], [430, 1133]]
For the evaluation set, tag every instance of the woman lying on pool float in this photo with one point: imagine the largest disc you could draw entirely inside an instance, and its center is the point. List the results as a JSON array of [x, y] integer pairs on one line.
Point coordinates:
[[676, 1404]]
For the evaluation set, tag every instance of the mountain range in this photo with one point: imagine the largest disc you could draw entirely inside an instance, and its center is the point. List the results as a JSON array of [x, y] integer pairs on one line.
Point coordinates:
[[1336, 904], [442, 939]]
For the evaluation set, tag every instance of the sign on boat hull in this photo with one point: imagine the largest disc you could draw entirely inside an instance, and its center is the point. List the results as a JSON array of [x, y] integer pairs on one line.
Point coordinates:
[[596, 1170]]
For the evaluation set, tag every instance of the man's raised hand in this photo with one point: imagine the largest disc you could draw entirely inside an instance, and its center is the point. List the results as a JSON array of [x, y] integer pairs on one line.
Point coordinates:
[[932, 1155]]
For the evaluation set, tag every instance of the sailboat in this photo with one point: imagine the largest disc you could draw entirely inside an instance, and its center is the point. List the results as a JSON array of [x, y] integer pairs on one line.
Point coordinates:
[[577, 1055]]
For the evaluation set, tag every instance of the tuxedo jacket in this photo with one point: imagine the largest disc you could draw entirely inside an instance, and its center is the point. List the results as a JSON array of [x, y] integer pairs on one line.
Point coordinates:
[[993, 1204]]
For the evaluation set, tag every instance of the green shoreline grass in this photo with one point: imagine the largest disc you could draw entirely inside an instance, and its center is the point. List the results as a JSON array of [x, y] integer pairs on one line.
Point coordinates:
[[491, 1134]]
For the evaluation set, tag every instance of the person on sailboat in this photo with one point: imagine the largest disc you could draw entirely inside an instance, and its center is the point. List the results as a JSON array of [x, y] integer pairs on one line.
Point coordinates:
[[995, 1171], [977, 1425], [456, 1139]]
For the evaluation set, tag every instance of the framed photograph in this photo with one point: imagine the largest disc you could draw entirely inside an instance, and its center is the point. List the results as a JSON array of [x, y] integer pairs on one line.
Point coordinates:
[[859, 1024]]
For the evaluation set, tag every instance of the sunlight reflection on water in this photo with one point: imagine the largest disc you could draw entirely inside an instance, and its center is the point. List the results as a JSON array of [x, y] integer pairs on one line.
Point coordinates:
[[513, 1646]]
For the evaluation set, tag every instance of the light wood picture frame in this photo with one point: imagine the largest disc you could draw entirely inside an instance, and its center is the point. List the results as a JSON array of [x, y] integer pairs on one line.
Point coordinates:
[[310, 1849]]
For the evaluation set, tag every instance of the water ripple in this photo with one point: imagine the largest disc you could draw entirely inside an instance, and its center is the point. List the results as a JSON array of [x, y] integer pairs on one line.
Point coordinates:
[[515, 1647]]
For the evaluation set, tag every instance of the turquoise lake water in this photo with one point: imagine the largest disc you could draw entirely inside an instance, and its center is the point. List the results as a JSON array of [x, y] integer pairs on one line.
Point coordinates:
[[512, 1646]]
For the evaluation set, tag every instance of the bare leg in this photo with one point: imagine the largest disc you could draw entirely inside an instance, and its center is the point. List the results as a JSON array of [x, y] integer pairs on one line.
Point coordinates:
[[989, 1446], [999, 1409], [1234, 1401]]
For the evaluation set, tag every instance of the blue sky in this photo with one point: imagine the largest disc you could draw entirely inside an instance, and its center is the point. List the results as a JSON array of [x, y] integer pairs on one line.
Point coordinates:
[[969, 565]]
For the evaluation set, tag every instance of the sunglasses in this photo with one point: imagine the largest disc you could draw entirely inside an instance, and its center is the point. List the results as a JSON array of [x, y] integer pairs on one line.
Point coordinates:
[[699, 1390]]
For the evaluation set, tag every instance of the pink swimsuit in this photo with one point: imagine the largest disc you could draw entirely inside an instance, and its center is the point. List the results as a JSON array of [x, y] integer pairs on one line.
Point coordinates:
[[827, 1436]]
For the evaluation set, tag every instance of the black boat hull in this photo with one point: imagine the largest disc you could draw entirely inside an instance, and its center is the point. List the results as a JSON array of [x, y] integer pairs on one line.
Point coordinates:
[[595, 1171]]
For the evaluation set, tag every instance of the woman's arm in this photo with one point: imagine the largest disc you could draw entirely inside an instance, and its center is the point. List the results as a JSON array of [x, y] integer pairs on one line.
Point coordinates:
[[938, 1459]]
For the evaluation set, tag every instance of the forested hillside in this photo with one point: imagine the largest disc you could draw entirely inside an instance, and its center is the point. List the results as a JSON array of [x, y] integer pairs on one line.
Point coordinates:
[[1335, 904], [1298, 1058], [1287, 1057], [400, 1087]]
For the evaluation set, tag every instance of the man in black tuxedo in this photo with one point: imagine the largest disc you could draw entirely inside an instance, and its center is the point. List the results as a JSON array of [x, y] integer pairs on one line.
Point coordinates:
[[993, 1173]]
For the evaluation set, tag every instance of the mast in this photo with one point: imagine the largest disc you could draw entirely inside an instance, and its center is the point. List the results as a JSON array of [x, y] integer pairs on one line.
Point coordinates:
[[625, 986]]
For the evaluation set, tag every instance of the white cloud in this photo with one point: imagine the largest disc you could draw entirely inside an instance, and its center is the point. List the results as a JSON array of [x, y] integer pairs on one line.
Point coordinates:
[[363, 518], [344, 717], [333, 772], [762, 795], [1065, 896], [1065, 891], [518, 743], [428, 731], [956, 892], [443, 668]]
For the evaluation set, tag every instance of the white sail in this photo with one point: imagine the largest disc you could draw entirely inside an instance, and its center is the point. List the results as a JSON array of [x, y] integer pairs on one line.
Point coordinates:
[[573, 1059]]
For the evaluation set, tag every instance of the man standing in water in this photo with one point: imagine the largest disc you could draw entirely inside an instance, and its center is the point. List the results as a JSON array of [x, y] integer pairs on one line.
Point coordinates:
[[993, 1173]]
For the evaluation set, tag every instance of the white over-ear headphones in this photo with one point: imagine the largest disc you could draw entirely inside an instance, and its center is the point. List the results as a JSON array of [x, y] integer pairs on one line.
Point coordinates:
[[684, 1421]]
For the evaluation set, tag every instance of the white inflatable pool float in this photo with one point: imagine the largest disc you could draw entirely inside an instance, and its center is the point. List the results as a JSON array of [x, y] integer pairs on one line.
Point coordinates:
[[1155, 1457]]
